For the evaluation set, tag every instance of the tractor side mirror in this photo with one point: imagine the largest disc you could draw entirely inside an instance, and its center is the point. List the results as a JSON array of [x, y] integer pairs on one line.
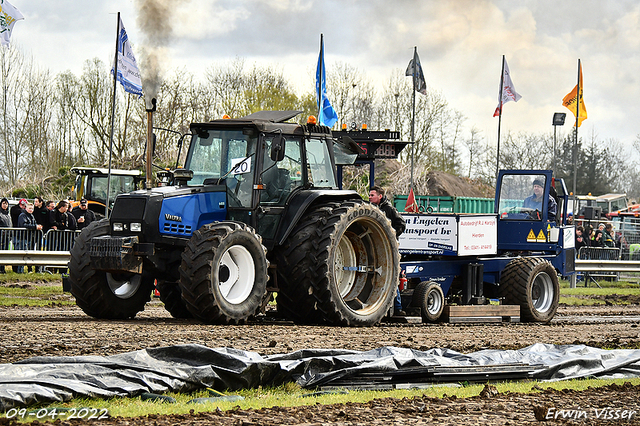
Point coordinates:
[[277, 147]]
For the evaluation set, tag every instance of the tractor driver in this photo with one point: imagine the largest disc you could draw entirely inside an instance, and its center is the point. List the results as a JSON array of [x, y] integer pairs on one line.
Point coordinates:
[[534, 201]]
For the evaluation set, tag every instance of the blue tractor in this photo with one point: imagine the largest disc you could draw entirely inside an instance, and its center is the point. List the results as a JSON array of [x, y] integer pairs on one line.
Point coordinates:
[[462, 262], [256, 210]]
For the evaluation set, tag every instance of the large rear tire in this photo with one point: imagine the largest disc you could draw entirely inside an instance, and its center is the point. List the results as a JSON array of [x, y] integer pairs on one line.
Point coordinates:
[[223, 274], [340, 265], [101, 294], [532, 283]]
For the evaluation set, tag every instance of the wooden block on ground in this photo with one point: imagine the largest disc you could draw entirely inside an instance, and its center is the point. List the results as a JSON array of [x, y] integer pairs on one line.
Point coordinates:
[[481, 313]]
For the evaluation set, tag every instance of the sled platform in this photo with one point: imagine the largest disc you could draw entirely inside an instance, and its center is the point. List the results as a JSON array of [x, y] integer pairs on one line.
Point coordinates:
[[481, 313]]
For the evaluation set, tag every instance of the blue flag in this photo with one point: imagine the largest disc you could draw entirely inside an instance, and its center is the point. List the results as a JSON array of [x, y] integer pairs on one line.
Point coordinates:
[[326, 114], [128, 72]]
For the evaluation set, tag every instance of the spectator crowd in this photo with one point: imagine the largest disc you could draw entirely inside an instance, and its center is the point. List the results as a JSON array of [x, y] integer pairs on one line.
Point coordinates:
[[602, 236], [39, 216]]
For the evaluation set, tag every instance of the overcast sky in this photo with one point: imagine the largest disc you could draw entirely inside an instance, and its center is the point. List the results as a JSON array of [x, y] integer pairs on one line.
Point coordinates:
[[460, 43]]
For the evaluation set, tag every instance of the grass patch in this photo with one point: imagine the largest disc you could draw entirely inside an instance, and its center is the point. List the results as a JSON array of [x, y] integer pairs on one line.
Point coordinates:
[[291, 395], [13, 277], [32, 290], [610, 292]]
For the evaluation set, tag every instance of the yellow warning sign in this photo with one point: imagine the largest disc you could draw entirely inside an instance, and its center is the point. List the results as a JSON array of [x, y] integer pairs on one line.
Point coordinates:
[[531, 238], [541, 237]]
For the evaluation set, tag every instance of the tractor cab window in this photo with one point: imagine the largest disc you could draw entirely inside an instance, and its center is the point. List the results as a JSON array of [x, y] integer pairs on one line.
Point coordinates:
[[320, 169], [280, 178], [119, 185], [522, 198], [224, 157]]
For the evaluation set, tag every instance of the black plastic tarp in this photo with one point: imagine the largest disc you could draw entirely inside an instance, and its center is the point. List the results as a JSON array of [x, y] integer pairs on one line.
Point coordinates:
[[186, 368]]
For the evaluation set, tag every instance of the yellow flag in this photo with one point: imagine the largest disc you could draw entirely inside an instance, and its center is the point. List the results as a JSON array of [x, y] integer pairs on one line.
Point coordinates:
[[570, 100]]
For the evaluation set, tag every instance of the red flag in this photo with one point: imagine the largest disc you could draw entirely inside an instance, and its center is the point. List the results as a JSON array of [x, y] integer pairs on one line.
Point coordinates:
[[411, 205]]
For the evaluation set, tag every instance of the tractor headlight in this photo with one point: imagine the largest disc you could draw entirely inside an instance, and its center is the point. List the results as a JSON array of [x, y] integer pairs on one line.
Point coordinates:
[[117, 227], [135, 227]]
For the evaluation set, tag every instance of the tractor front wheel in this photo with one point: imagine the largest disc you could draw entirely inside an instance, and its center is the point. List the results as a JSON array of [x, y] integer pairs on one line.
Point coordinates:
[[101, 294], [171, 296], [223, 274]]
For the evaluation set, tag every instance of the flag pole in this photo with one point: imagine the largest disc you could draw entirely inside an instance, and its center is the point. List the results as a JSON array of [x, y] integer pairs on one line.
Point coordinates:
[[113, 114], [575, 142], [499, 120], [320, 79], [413, 110]]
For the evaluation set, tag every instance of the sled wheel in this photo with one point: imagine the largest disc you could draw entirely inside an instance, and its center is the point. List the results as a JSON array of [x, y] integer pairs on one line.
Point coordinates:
[[532, 283], [429, 298]]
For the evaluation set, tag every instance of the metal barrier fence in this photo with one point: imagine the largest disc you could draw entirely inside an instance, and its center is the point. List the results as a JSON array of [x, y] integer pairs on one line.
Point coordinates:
[[628, 237], [25, 247], [600, 254], [33, 239], [626, 234]]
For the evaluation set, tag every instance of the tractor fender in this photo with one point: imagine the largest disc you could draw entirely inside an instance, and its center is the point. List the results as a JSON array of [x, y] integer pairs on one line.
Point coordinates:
[[301, 201]]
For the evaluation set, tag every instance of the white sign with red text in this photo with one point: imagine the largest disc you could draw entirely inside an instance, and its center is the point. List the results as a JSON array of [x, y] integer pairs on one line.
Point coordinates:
[[429, 234], [477, 235]]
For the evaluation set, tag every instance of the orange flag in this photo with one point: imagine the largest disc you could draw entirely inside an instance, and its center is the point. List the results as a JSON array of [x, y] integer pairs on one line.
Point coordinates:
[[411, 205], [572, 97]]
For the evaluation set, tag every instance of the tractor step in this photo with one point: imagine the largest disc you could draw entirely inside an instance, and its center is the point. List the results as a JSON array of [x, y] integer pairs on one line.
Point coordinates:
[[481, 313]]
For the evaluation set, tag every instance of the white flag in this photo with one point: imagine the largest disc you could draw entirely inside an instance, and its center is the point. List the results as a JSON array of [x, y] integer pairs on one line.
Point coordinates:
[[508, 90], [8, 17], [128, 72]]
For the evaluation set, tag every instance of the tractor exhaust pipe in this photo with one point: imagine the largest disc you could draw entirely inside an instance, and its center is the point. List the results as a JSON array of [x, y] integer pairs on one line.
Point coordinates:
[[149, 148]]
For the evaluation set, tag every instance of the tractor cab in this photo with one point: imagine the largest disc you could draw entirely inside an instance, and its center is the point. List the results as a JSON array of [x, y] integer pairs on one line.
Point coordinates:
[[91, 184], [264, 164], [532, 211]]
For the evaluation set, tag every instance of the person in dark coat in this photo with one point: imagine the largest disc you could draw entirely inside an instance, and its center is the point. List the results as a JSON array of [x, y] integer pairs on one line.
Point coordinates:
[[40, 210], [83, 215], [59, 218], [17, 210], [27, 239], [47, 215], [5, 222], [581, 239], [377, 197]]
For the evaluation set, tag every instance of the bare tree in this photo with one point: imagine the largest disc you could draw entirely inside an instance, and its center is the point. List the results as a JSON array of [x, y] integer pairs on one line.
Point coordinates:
[[475, 148], [94, 107], [225, 84], [351, 94]]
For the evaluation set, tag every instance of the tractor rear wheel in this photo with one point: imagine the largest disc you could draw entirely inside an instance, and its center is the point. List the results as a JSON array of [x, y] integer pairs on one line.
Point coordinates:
[[171, 296], [428, 296], [223, 274], [340, 265], [101, 294], [532, 283]]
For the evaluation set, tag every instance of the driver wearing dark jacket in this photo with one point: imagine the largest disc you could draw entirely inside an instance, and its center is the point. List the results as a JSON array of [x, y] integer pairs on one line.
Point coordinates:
[[534, 201]]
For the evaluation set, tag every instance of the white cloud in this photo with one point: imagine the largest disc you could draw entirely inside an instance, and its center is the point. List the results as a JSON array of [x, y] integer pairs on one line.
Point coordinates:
[[460, 43]]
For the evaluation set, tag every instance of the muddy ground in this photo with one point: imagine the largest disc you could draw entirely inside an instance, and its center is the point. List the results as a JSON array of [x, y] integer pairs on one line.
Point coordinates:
[[66, 330]]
